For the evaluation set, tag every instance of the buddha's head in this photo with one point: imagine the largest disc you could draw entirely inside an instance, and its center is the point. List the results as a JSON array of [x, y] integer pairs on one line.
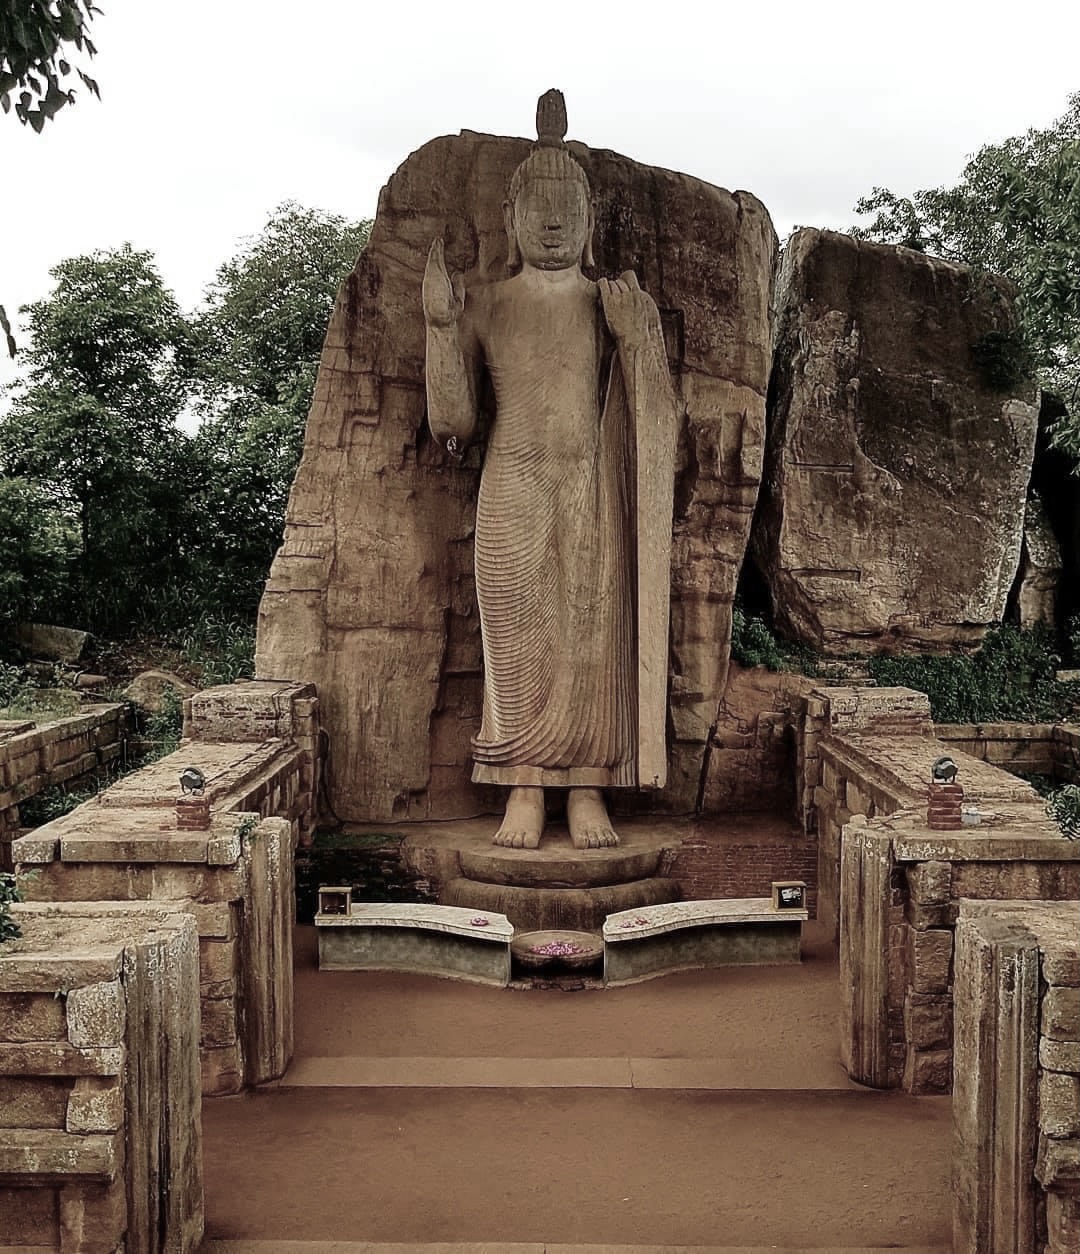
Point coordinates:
[[548, 210]]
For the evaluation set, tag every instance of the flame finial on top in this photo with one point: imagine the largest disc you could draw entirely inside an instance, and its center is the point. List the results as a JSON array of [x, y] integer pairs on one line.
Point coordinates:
[[551, 119]]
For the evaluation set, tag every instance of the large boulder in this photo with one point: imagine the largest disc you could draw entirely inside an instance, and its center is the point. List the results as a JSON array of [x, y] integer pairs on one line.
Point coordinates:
[[896, 473], [371, 596]]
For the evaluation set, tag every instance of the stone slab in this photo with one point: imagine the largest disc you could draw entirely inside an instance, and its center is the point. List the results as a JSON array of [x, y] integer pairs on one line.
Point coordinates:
[[48, 1153], [634, 925], [451, 919], [445, 851], [707, 945], [404, 947]]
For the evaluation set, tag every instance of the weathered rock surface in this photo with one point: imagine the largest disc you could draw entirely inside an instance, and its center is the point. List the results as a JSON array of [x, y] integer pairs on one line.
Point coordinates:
[[62, 644], [1040, 568], [147, 690], [372, 595], [896, 476]]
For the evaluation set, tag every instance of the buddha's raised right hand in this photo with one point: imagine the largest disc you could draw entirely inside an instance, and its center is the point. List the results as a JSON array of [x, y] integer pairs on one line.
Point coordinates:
[[444, 299]]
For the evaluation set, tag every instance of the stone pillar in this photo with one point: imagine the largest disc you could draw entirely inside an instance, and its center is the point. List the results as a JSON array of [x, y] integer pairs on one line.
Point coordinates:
[[866, 932], [995, 1086], [100, 1134]]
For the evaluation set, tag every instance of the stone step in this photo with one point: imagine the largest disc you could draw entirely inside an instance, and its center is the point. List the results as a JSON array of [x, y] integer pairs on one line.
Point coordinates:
[[523, 1247], [715, 1074], [556, 909]]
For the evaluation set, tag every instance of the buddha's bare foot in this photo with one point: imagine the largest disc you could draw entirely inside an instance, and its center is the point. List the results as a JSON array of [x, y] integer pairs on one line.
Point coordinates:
[[523, 823], [586, 813]]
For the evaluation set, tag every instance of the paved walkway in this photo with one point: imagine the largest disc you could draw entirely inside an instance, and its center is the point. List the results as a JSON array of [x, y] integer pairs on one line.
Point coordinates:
[[702, 1112]]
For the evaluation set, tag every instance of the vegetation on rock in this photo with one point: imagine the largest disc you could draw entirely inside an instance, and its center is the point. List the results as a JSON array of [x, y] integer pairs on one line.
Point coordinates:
[[1014, 211], [9, 929]]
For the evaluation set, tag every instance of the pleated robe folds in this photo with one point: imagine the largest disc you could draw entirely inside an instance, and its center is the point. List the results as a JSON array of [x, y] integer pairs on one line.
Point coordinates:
[[556, 553]]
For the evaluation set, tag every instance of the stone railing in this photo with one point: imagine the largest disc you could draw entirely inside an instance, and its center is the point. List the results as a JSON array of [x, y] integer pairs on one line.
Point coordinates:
[[100, 1122], [225, 856], [1016, 1098], [38, 754], [1048, 749], [889, 886]]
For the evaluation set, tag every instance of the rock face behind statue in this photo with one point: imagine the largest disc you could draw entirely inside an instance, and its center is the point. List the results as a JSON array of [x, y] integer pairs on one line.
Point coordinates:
[[893, 506], [372, 595]]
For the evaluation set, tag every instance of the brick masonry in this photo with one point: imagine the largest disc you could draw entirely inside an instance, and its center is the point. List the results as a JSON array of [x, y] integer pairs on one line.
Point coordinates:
[[226, 857], [892, 886], [100, 1140], [35, 755]]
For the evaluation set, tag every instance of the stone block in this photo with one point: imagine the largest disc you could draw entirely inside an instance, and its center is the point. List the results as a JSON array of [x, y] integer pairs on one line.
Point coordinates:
[[1059, 1055], [218, 1025], [1058, 1164], [93, 1220], [930, 958], [96, 1104], [32, 1214], [928, 1071], [222, 1071], [928, 1021], [1062, 1222], [217, 961], [32, 1017], [50, 1152], [995, 1085], [929, 883], [96, 1015], [33, 1101], [1060, 1019], [1059, 1105]]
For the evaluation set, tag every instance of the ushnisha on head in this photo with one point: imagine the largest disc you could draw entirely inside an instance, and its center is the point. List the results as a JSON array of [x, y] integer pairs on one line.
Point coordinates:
[[548, 210]]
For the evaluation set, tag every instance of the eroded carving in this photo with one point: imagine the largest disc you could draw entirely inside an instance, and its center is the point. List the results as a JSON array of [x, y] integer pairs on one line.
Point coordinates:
[[573, 520]]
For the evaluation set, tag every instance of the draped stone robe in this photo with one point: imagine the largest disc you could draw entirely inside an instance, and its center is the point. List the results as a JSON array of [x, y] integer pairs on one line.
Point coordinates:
[[555, 547]]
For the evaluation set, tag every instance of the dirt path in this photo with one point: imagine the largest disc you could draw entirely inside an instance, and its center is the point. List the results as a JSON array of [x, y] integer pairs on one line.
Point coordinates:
[[411, 1116]]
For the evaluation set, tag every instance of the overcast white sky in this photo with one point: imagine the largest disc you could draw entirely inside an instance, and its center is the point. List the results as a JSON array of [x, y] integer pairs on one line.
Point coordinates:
[[214, 111]]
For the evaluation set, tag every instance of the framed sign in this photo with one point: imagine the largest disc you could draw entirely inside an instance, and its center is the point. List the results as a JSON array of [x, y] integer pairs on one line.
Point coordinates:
[[789, 895], [335, 900]]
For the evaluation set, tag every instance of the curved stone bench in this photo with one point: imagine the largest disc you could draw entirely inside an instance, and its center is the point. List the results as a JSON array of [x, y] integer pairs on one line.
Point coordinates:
[[687, 935], [422, 939]]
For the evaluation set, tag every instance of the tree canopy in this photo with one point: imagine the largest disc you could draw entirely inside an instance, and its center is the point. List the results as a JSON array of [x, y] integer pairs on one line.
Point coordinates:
[[1014, 211], [114, 512], [36, 40]]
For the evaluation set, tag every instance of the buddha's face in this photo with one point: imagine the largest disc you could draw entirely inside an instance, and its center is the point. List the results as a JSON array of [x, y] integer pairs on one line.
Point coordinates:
[[552, 219]]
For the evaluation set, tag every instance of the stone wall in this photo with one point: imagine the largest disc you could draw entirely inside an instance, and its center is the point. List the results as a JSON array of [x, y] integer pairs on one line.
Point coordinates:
[[889, 886], [893, 509], [900, 889], [38, 754], [1016, 1098], [836, 778], [371, 596], [100, 1122], [1048, 749], [225, 856]]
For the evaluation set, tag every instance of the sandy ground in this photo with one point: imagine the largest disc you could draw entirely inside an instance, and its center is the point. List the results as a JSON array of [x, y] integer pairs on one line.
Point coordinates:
[[706, 1109]]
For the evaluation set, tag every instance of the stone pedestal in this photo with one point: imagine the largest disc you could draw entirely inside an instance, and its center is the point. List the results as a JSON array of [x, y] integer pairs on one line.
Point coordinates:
[[1016, 1094], [100, 1131], [553, 888]]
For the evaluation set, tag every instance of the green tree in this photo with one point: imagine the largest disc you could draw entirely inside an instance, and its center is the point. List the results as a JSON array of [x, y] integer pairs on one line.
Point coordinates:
[[34, 39], [260, 337], [94, 426], [38, 544], [1015, 211]]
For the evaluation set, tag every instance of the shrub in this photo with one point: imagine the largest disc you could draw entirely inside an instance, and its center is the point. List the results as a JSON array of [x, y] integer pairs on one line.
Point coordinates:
[[1063, 807], [1010, 678], [9, 892]]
